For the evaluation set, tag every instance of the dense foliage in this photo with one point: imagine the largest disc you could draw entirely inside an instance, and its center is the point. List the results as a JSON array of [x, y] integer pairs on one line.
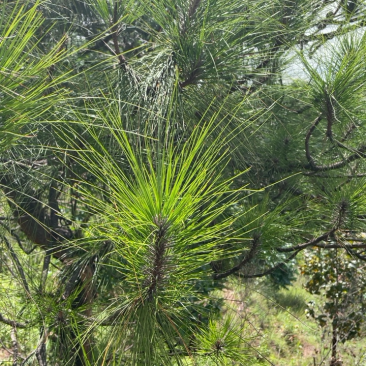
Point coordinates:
[[151, 149]]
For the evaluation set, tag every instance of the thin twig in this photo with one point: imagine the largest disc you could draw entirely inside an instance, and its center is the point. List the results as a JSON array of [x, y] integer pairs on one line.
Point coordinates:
[[18, 265], [40, 351], [246, 260], [28, 358], [320, 175], [307, 139], [16, 236], [270, 270], [21, 245], [309, 243]]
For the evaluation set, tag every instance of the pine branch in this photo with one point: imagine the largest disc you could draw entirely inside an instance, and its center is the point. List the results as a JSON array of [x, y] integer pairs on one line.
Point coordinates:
[[358, 255], [320, 175], [296, 248], [270, 270], [360, 152], [40, 351], [309, 243], [41, 354], [16, 236], [121, 58], [307, 139], [341, 246], [192, 77], [247, 259], [12, 323], [21, 245]]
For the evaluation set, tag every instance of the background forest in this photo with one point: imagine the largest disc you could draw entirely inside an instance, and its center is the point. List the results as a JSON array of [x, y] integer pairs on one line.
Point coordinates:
[[168, 168]]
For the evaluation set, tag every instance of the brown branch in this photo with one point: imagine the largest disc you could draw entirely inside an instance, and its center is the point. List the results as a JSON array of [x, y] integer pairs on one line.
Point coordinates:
[[358, 255], [330, 117], [330, 35], [14, 235], [21, 245], [312, 174], [33, 220], [270, 270], [12, 323], [316, 242], [41, 354], [348, 132], [101, 43], [246, 260], [296, 249], [303, 39], [192, 77], [310, 243], [27, 358], [121, 58], [40, 351], [340, 164], [193, 6], [341, 246], [31, 217], [307, 139], [360, 153]]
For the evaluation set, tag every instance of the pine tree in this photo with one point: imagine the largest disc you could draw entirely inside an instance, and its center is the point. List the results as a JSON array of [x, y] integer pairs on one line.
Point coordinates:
[[152, 149]]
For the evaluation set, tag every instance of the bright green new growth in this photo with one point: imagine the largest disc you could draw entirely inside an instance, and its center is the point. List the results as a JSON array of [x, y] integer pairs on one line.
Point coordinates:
[[161, 211]]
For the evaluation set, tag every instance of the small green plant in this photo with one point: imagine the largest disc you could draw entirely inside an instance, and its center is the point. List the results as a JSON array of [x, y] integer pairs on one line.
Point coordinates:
[[341, 280]]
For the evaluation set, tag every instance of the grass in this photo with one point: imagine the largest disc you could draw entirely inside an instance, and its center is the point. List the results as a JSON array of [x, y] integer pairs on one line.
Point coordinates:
[[282, 334]]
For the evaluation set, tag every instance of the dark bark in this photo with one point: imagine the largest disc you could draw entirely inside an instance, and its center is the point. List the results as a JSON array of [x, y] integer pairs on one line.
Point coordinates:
[[270, 270], [41, 354], [12, 323], [309, 243], [358, 153], [121, 58], [247, 259]]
